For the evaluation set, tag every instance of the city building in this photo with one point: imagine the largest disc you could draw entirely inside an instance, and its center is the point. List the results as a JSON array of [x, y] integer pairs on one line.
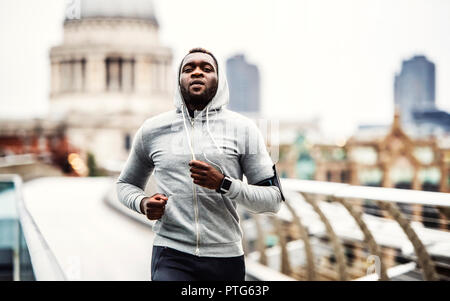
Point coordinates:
[[108, 75], [387, 159], [393, 160], [244, 84], [379, 156], [415, 98], [415, 87], [401, 161], [295, 142]]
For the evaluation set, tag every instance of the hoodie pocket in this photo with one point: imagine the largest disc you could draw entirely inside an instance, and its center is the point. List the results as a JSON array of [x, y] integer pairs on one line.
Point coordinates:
[[217, 224], [178, 219]]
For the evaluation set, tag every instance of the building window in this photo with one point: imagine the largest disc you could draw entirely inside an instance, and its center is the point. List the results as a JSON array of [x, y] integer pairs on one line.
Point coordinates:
[[127, 142], [113, 71], [72, 74], [329, 176], [344, 176], [119, 74]]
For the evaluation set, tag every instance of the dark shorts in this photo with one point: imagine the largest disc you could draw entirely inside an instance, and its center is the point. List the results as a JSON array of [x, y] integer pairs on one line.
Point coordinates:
[[172, 265]]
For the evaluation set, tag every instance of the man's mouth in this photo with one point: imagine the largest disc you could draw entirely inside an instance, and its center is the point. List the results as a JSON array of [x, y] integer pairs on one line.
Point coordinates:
[[197, 83]]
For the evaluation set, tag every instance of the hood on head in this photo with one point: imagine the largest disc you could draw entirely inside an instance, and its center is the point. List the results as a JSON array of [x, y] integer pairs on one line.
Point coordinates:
[[219, 100]]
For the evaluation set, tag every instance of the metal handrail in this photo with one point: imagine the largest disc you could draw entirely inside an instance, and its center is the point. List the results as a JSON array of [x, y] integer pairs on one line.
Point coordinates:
[[391, 195], [45, 264], [387, 199]]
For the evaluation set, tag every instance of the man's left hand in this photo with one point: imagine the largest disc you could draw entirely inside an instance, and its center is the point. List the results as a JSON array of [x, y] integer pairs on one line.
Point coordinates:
[[205, 175]]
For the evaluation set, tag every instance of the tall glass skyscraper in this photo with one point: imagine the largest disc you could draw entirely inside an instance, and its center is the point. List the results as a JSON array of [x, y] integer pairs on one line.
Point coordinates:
[[414, 87], [244, 81]]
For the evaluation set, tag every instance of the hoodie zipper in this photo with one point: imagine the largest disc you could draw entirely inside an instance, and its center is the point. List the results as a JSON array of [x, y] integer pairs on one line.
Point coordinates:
[[197, 249]]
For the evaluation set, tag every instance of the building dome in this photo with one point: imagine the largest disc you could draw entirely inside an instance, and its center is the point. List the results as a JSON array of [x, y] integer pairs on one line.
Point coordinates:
[[129, 9]]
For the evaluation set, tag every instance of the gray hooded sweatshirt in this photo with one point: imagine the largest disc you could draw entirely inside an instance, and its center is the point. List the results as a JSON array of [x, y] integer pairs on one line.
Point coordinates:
[[198, 220]]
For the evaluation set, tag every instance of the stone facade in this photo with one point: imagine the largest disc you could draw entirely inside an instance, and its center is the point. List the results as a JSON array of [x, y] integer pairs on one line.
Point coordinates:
[[391, 160], [108, 76]]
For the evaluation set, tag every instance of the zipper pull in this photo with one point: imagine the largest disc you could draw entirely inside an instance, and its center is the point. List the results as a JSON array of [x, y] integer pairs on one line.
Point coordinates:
[[197, 251]]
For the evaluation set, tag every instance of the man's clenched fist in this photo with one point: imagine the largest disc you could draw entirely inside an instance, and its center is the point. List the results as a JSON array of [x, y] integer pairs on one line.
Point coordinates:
[[153, 207], [205, 175]]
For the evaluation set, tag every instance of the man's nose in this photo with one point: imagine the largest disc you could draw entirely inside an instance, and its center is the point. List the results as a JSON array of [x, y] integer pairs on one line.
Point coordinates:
[[197, 72]]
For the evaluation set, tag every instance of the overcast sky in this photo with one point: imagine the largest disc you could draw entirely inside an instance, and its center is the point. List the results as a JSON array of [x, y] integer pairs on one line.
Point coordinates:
[[330, 59]]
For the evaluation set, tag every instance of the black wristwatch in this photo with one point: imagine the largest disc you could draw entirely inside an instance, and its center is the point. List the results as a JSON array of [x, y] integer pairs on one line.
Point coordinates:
[[225, 185]]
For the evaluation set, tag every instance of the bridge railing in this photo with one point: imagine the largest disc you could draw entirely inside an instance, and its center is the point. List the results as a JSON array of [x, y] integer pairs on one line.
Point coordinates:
[[319, 220], [364, 230], [44, 265]]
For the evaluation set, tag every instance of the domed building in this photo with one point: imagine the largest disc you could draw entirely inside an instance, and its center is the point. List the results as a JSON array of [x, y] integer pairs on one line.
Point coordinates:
[[109, 74]]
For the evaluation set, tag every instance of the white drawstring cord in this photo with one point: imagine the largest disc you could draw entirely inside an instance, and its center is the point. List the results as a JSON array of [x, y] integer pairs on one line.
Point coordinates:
[[214, 141], [209, 132], [187, 132]]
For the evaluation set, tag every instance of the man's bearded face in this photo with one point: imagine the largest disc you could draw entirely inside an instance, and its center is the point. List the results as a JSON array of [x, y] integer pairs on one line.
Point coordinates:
[[198, 79]]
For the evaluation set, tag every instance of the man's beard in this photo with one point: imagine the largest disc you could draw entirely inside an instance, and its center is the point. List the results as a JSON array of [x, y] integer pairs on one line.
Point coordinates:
[[198, 100]]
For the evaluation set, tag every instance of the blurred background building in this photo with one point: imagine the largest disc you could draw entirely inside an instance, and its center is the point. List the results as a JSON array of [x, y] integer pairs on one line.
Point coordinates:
[[109, 75], [414, 96], [415, 87], [410, 153], [244, 83]]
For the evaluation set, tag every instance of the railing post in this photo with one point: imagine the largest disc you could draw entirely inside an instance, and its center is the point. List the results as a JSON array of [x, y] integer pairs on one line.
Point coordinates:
[[425, 261], [335, 241], [260, 245], [304, 236], [368, 238], [285, 264]]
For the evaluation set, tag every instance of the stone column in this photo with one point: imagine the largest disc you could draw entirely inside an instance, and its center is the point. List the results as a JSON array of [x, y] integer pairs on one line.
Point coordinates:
[[386, 181], [416, 181], [143, 78], [320, 172], [95, 73], [354, 180], [443, 186], [127, 75]]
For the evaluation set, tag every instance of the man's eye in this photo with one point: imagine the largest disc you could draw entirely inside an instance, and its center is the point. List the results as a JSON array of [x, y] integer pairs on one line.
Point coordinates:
[[187, 70]]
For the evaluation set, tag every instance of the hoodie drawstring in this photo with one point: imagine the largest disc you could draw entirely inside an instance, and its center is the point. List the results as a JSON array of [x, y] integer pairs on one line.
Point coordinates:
[[209, 133], [212, 138], [187, 132]]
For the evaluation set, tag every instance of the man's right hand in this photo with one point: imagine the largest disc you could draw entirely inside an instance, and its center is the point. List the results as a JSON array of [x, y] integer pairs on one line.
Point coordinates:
[[153, 207]]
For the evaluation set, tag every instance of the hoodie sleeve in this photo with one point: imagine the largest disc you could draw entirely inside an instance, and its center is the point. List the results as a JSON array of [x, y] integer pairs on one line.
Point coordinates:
[[257, 166], [134, 176]]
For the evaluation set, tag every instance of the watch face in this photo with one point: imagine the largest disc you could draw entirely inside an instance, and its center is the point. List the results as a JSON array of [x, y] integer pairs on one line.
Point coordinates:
[[226, 184]]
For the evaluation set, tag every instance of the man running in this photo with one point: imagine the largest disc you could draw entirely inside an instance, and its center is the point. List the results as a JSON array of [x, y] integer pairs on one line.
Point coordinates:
[[198, 154]]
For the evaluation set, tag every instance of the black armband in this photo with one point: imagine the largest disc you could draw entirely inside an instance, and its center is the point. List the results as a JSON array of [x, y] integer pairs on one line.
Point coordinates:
[[273, 181]]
